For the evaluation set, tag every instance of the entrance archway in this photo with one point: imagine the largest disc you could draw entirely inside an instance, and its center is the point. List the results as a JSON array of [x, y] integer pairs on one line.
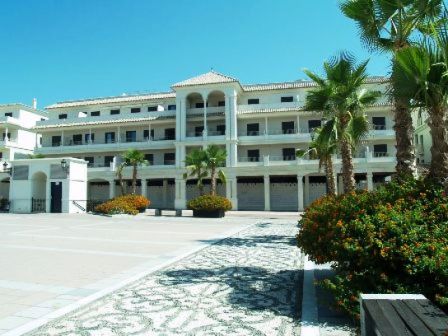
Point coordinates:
[[39, 192]]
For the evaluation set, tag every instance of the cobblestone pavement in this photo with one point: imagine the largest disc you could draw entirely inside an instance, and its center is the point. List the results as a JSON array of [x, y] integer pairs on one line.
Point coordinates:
[[247, 284]]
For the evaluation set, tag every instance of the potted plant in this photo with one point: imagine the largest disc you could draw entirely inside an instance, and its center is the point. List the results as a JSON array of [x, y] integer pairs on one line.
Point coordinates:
[[209, 206]]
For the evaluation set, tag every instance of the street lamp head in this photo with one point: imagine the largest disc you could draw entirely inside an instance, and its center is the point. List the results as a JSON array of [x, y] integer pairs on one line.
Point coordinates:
[[64, 165]]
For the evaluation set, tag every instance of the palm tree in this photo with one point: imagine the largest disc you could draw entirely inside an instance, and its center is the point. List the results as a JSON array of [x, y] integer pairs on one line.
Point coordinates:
[[215, 157], [119, 174], [386, 25], [323, 146], [341, 98], [134, 158], [196, 167], [420, 73]]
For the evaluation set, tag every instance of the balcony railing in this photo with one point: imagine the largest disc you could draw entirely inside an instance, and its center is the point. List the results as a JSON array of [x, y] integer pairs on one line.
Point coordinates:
[[273, 106], [380, 154], [194, 134], [70, 142]]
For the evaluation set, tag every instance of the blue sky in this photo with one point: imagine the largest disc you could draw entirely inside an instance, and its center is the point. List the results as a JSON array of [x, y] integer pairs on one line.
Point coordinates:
[[69, 49]]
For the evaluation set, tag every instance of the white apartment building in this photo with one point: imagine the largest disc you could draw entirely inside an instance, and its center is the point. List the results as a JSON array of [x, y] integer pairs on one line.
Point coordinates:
[[17, 137], [422, 137], [260, 125]]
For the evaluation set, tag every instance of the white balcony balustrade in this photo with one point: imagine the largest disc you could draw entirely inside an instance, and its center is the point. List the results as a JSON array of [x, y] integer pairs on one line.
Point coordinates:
[[270, 106]]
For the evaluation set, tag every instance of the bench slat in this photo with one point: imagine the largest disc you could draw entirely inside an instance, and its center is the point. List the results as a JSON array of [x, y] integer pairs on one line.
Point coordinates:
[[386, 319], [435, 319], [411, 318]]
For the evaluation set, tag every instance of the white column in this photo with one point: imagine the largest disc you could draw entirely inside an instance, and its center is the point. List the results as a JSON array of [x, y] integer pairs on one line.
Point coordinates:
[[183, 120], [111, 189], [231, 192], [298, 124], [267, 193], [204, 133], [306, 196], [180, 201], [118, 139], [369, 181], [233, 154], [180, 156], [144, 188], [149, 132], [266, 129], [164, 191], [300, 192], [90, 136], [62, 137], [6, 134], [233, 117]]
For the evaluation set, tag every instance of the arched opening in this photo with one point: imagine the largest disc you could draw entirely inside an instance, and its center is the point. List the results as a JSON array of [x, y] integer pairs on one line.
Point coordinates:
[[4, 194], [216, 102], [195, 108], [39, 192], [195, 100], [98, 190]]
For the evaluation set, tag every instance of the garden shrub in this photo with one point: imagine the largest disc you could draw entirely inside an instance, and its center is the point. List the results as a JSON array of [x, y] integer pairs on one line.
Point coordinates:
[[393, 240], [210, 203], [126, 204]]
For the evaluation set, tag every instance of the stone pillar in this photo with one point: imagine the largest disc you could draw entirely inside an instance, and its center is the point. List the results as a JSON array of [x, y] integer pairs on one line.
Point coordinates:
[[231, 192], [267, 193], [205, 131], [300, 192], [233, 117], [181, 117], [164, 191], [180, 201], [369, 181], [298, 124], [306, 196], [180, 155], [144, 188], [111, 189]]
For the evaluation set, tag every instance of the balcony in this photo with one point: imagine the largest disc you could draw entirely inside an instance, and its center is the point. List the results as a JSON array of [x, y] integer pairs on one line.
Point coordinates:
[[276, 134], [272, 160], [210, 110], [9, 142], [272, 106], [70, 145], [381, 131]]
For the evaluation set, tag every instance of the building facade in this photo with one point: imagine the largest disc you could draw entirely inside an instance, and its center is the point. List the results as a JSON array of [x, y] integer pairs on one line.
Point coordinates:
[[18, 139], [260, 126]]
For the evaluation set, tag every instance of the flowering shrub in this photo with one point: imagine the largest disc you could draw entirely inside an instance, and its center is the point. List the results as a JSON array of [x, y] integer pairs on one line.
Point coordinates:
[[209, 203], [394, 240], [127, 204]]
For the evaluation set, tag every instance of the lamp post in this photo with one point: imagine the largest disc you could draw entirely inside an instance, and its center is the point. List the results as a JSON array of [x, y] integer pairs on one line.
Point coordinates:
[[6, 169], [65, 166]]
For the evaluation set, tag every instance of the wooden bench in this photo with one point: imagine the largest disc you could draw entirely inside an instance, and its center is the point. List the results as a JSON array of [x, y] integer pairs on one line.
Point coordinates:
[[401, 314], [158, 211]]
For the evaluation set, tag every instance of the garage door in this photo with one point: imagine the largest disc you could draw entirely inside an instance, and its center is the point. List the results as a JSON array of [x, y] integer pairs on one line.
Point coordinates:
[[250, 196], [284, 197]]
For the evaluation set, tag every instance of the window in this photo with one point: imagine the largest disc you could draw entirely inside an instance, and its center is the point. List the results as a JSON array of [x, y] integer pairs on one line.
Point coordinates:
[[131, 136], [380, 150], [95, 114], [287, 99], [253, 129], [288, 127], [379, 123], [150, 159], [135, 110], [146, 135], [42, 119], [198, 130], [312, 124], [199, 105], [63, 116], [253, 101], [222, 103], [114, 112], [109, 137], [153, 108], [253, 155], [289, 154], [8, 114], [77, 139], [9, 136], [172, 107], [89, 160], [170, 133], [55, 140], [89, 138], [221, 129], [108, 160], [169, 159]]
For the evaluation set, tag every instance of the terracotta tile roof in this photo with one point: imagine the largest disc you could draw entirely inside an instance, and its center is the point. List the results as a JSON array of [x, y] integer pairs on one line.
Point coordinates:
[[113, 100], [211, 77]]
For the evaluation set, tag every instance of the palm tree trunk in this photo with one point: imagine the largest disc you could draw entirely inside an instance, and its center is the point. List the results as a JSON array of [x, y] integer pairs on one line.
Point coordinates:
[[120, 179], [404, 136], [213, 181], [439, 149], [134, 179], [329, 173], [348, 176]]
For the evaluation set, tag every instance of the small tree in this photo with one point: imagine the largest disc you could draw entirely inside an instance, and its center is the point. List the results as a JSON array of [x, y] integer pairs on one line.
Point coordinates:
[[196, 167], [323, 146], [134, 158], [119, 174], [215, 157]]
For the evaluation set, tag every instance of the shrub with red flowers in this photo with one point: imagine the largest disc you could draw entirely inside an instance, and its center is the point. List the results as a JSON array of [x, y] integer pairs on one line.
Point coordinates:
[[126, 204], [210, 203], [393, 240]]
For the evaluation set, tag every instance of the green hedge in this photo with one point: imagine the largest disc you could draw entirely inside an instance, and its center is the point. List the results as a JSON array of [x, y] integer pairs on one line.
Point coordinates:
[[394, 240]]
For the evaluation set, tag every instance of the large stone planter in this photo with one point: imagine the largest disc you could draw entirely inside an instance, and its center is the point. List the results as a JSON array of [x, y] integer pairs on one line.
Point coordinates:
[[209, 214]]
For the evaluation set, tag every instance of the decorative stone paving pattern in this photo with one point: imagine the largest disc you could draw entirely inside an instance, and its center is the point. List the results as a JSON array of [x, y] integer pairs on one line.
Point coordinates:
[[247, 284]]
